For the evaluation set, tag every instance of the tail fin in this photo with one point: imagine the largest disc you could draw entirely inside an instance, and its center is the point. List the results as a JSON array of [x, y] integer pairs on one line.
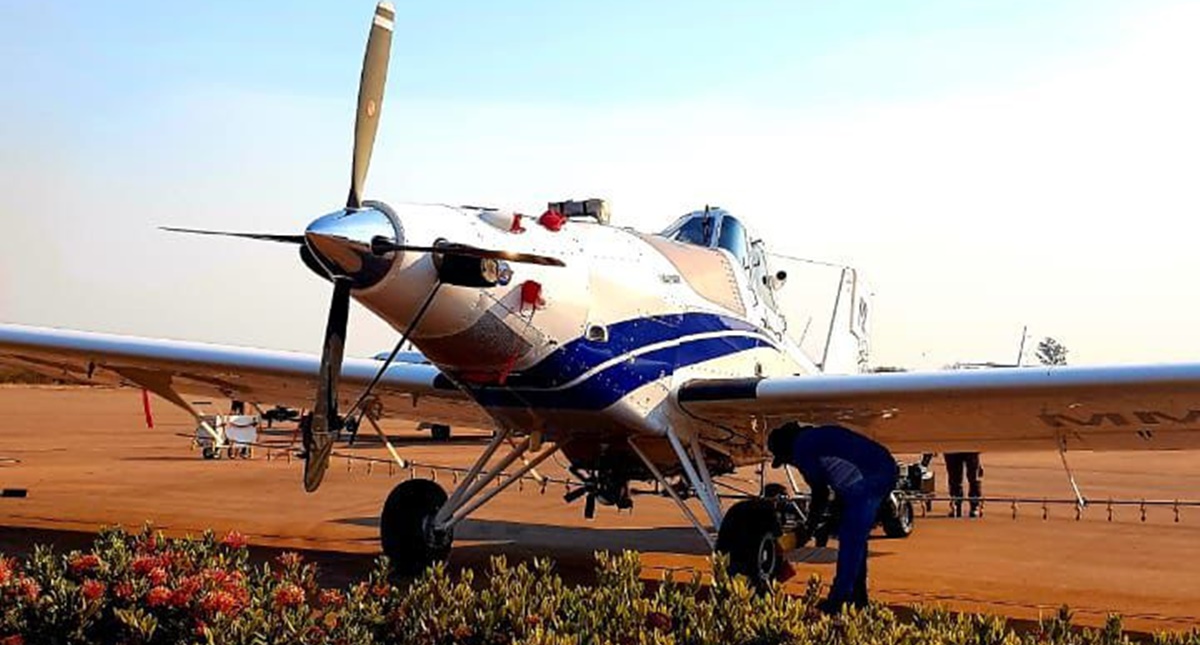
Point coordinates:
[[827, 311], [848, 339]]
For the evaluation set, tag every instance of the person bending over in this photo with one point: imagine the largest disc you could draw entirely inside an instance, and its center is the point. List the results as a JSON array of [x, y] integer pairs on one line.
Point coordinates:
[[861, 473]]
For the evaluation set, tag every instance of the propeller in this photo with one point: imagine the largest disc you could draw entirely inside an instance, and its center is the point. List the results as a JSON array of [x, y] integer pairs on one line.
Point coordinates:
[[370, 98], [381, 245], [264, 237], [325, 419], [371, 83], [355, 247]]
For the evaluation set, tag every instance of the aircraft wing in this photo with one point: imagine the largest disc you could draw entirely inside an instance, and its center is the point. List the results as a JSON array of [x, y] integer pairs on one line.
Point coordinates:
[[410, 391], [1154, 407]]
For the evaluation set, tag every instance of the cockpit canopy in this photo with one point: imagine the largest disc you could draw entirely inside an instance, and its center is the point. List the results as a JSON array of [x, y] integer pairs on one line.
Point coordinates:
[[712, 228]]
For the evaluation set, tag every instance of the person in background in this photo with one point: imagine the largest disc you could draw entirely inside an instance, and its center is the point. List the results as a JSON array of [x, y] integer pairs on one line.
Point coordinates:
[[861, 473], [956, 464]]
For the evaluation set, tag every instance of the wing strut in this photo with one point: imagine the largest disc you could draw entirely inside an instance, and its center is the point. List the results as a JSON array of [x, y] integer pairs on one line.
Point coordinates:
[[1062, 453]]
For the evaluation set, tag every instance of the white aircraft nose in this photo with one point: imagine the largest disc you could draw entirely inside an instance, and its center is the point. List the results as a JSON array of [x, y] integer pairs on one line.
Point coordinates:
[[341, 242]]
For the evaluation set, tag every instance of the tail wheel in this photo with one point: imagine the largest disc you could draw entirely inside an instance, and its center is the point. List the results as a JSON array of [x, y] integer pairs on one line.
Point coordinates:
[[749, 536], [406, 531], [898, 522]]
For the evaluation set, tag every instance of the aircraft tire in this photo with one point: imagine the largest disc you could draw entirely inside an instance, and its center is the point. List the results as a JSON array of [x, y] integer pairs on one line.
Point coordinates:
[[749, 537], [899, 522], [403, 527], [439, 432]]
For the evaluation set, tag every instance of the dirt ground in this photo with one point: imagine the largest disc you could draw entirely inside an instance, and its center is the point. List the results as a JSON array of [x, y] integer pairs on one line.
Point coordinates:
[[88, 460]]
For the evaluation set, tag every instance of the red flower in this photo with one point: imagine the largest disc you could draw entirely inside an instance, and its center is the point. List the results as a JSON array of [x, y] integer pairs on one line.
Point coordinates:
[[123, 590], [92, 589], [289, 559], [158, 596], [157, 576], [81, 564], [183, 595], [380, 591], [331, 598], [234, 540], [219, 602], [147, 542], [144, 564], [15, 639], [29, 588], [6, 571], [288, 595]]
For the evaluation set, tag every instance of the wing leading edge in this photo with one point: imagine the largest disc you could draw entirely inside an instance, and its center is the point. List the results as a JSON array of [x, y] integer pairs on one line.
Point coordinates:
[[1151, 407], [406, 391]]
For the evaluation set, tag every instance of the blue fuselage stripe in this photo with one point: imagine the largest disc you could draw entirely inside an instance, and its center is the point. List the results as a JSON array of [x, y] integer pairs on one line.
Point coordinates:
[[556, 381]]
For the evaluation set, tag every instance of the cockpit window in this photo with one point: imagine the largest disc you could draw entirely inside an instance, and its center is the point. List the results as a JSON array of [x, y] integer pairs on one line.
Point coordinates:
[[697, 230], [733, 239]]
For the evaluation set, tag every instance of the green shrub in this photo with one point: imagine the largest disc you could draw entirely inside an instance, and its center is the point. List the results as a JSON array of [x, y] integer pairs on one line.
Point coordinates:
[[146, 589]]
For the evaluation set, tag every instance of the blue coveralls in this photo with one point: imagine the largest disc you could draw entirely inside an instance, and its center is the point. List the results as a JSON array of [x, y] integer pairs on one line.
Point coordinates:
[[862, 473]]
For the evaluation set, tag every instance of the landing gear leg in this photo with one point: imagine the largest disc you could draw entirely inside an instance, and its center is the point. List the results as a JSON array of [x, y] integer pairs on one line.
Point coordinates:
[[748, 533], [418, 520]]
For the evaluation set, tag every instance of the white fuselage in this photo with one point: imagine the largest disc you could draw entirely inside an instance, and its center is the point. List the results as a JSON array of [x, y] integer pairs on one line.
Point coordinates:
[[593, 349]]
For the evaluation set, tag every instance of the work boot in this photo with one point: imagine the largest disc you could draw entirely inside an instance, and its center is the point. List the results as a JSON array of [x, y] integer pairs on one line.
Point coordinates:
[[955, 509], [976, 511]]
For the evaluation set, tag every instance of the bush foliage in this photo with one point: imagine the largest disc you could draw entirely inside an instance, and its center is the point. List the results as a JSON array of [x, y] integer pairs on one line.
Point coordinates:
[[144, 588]]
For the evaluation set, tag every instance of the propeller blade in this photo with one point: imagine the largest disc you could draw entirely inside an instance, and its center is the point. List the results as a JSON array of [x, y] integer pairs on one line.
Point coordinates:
[[265, 237], [370, 98], [325, 410], [382, 245]]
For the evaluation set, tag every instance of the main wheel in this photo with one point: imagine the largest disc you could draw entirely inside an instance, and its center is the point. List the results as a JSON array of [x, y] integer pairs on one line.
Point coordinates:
[[406, 527], [749, 535], [898, 522], [440, 432]]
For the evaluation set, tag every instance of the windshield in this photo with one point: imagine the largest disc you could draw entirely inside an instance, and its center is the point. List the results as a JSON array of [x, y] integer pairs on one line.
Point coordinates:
[[697, 230], [733, 239]]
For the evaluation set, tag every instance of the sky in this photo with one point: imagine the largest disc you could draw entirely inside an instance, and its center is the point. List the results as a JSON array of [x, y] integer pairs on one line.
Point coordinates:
[[987, 165]]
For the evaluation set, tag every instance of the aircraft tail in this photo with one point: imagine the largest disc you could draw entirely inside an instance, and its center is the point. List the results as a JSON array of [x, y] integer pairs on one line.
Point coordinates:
[[848, 338], [827, 310]]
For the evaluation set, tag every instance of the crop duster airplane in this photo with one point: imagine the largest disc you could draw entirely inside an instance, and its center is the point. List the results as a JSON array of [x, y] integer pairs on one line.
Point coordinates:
[[639, 357]]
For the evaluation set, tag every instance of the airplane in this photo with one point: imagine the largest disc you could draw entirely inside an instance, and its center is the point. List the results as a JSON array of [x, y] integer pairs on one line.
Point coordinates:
[[640, 357]]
